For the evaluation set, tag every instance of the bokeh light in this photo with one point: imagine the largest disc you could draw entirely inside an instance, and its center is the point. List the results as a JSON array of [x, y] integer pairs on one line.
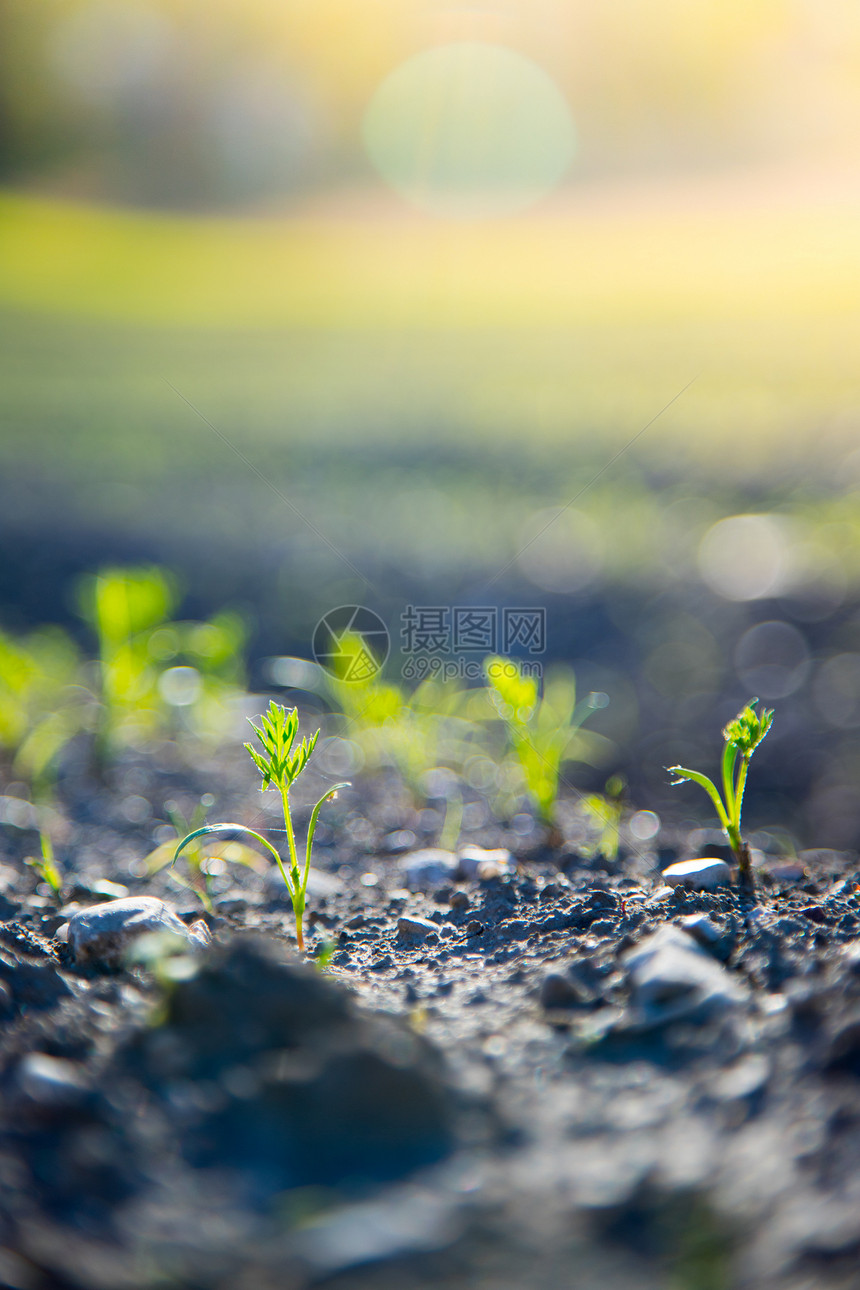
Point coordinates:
[[836, 690], [772, 660], [744, 557], [561, 550], [470, 129]]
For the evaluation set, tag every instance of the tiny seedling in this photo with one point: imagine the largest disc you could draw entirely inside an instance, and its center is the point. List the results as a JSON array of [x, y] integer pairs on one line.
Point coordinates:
[[603, 812], [540, 728], [201, 864], [742, 735], [46, 866], [279, 767]]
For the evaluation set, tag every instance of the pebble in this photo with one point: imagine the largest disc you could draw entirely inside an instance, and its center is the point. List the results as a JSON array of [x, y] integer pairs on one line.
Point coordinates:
[[428, 869], [701, 928], [103, 933], [661, 895], [559, 990], [703, 874], [477, 862], [717, 940], [459, 900], [672, 978], [51, 1081], [416, 929], [101, 887], [786, 871]]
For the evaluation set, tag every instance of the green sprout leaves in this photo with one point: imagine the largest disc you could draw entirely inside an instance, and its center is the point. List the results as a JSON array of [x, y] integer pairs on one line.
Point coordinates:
[[742, 735], [279, 765], [748, 729]]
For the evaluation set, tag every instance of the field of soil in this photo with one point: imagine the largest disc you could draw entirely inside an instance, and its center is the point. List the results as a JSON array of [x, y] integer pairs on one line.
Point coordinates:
[[519, 1070]]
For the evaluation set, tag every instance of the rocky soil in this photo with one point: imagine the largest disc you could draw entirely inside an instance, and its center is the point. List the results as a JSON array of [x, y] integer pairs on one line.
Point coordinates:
[[521, 1068]]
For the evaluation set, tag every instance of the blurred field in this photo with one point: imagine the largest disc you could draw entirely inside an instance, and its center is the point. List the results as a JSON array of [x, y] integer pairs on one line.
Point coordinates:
[[421, 389]]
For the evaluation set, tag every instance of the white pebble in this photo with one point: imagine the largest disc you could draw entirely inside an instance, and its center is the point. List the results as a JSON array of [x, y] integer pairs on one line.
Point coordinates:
[[703, 874]]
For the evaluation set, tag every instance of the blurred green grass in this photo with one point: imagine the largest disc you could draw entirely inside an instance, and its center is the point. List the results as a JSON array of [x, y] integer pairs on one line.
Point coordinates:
[[420, 390]]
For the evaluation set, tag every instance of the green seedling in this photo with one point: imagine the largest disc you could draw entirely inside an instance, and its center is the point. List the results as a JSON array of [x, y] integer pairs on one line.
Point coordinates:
[[155, 675], [742, 735], [46, 866], [200, 860], [413, 732], [279, 767], [42, 703], [541, 729], [603, 812]]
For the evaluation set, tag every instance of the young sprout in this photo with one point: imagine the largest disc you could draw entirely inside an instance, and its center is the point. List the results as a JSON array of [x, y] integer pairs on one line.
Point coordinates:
[[201, 864], [742, 735], [279, 767], [46, 866], [541, 729]]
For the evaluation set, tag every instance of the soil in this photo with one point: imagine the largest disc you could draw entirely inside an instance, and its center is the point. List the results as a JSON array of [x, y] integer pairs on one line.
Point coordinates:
[[522, 1080]]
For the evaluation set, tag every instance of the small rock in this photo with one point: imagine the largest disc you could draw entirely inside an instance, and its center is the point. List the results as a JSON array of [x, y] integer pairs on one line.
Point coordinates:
[[28, 984], [476, 862], [743, 1079], [560, 990], [51, 1082], [701, 928], [428, 869], [672, 978], [416, 929], [661, 895], [785, 870], [703, 874], [101, 888], [852, 955], [104, 933], [602, 927], [716, 940], [474, 928], [459, 900]]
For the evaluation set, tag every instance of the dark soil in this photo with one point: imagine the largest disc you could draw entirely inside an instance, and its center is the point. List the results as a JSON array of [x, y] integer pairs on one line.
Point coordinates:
[[528, 1093]]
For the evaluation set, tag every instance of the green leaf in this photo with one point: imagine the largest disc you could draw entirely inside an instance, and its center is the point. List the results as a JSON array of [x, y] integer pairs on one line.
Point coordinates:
[[312, 828], [705, 783], [229, 828]]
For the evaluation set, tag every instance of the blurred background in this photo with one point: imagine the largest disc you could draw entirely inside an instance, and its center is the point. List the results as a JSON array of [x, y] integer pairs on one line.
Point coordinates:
[[529, 302]]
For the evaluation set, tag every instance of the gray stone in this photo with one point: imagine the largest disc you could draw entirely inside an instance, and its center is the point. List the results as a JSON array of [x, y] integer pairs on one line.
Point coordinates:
[[416, 929], [703, 874], [672, 978], [478, 862], [785, 870], [661, 895], [717, 940], [559, 990], [103, 933], [701, 928], [50, 1081], [428, 869]]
